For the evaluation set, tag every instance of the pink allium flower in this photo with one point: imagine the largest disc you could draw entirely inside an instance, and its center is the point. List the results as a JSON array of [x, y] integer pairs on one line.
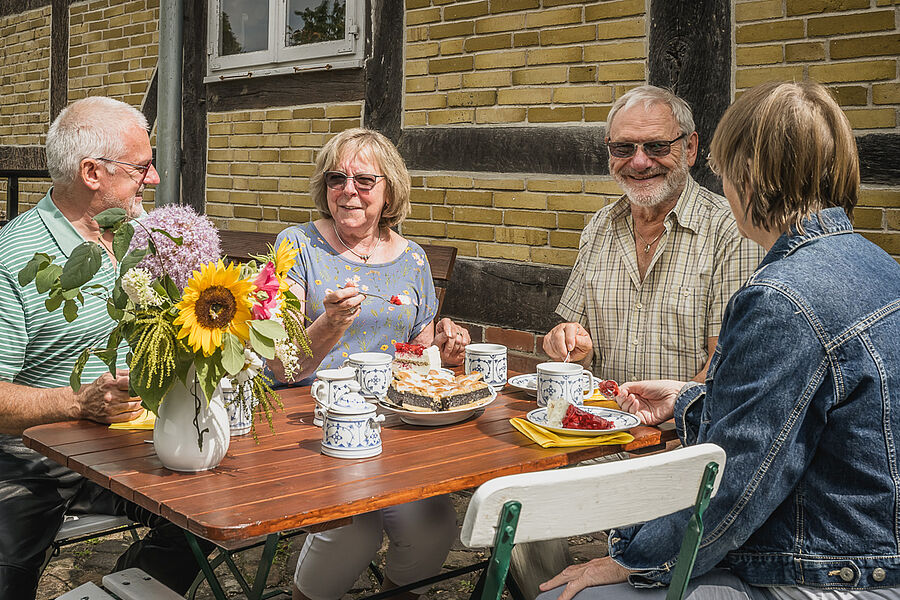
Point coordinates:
[[267, 285], [200, 242]]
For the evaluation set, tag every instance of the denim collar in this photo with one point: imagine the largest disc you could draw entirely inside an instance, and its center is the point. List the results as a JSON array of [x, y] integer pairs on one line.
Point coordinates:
[[829, 221]]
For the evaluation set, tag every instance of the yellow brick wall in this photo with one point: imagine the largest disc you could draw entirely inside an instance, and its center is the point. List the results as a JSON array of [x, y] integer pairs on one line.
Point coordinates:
[[520, 61], [25, 77], [113, 47], [525, 218], [259, 163]]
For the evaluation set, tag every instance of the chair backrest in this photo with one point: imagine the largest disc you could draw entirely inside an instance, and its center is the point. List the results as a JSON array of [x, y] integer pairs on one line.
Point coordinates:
[[531, 507], [240, 245]]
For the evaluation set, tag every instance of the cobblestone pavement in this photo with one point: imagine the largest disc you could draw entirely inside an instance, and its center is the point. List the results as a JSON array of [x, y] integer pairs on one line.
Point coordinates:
[[90, 561]]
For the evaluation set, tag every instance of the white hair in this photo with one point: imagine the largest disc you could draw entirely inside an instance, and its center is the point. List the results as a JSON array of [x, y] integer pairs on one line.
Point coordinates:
[[651, 95], [88, 128]]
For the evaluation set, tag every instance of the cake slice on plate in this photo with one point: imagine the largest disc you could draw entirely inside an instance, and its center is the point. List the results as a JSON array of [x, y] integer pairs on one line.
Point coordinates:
[[438, 391], [416, 358]]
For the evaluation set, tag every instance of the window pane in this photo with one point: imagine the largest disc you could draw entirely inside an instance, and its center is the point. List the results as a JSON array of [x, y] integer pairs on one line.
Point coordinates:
[[244, 27], [312, 21]]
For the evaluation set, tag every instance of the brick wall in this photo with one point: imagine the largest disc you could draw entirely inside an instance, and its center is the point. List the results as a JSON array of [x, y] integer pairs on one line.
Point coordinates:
[[259, 163], [113, 47], [520, 61], [24, 77]]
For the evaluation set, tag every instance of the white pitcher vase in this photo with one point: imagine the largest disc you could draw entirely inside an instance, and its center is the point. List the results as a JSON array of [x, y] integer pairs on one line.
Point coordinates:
[[176, 440]]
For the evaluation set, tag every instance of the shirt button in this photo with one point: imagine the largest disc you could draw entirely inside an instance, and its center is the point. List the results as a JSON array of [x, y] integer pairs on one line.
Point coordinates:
[[878, 574], [847, 574], [634, 342], [638, 306]]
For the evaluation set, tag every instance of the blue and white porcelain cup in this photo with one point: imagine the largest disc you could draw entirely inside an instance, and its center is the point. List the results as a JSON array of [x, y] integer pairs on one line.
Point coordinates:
[[563, 380], [373, 372], [329, 387], [490, 361], [352, 429], [240, 414]]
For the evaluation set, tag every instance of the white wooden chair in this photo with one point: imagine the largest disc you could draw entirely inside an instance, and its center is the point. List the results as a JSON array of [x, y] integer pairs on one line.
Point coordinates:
[[553, 504]]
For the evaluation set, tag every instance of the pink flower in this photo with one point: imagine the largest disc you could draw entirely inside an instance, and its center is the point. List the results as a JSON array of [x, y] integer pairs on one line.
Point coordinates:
[[266, 292]]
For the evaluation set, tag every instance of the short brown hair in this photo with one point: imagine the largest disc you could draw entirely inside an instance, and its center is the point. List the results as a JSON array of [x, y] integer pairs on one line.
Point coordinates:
[[365, 141], [791, 147]]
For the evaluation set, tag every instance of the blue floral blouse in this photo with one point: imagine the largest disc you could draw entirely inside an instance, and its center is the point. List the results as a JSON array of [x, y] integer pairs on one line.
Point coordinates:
[[380, 324]]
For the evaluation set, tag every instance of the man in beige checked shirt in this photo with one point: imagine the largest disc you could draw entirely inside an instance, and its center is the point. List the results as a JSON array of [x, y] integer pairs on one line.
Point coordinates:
[[656, 268]]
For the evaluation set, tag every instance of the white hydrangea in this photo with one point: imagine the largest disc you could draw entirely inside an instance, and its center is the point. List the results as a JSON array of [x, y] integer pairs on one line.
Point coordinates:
[[287, 353], [138, 285]]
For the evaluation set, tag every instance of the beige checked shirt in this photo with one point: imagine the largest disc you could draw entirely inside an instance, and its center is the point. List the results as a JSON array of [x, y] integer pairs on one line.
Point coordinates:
[[657, 328]]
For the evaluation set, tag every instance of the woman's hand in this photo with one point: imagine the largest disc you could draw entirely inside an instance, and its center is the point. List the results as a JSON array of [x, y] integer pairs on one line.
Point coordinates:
[[452, 340], [600, 571], [652, 401], [342, 305]]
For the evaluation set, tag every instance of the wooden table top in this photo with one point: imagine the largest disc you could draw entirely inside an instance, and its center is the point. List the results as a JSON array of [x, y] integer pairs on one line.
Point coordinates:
[[284, 482]]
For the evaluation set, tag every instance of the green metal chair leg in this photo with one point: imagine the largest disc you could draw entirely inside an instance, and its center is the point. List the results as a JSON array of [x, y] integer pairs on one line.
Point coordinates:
[[498, 567], [690, 543]]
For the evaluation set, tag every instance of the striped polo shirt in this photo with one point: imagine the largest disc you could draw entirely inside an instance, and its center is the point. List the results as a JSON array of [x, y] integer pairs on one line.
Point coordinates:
[[38, 348]]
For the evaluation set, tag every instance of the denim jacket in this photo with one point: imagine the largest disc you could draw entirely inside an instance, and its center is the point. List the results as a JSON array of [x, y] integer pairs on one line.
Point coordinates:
[[803, 394]]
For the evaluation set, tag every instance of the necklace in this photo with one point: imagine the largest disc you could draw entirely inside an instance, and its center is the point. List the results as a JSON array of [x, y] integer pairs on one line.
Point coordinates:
[[651, 242], [363, 257]]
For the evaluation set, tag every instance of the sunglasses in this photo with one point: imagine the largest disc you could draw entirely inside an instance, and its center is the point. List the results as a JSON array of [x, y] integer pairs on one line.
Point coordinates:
[[653, 149], [337, 180]]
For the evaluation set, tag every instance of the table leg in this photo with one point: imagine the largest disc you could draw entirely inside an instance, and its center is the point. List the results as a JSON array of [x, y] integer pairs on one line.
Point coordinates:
[[205, 567]]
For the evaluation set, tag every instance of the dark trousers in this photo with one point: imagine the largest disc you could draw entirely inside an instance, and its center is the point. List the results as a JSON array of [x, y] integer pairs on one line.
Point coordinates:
[[36, 493]]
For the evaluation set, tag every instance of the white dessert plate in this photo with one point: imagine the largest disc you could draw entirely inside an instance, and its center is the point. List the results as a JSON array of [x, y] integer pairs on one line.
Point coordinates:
[[622, 421], [529, 382], [434, 419]]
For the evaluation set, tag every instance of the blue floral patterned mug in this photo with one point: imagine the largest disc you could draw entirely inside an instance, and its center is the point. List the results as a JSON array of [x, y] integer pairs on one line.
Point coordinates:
[[373, 372], [490, 361], [329, 387], [563, 380]]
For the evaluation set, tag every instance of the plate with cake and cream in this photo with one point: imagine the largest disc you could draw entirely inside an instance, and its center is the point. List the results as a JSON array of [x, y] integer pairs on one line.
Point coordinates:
[[423, 393], [561, 416]]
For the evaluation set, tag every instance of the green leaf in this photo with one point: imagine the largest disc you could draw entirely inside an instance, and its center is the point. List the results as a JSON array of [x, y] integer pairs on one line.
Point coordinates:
[[54, 301], [131, 260], [122, 240], [109, 358], [114, 313], [232, 353], [111, 217], [47, 278], [172, 290], [268, 328], [119, 297], [178, 240], [30, 270], [209, 372], [70, 310], [112, 345], [75, 377], [71, 294], [151, 246], [184, 358], [262, 345], [82, 265]]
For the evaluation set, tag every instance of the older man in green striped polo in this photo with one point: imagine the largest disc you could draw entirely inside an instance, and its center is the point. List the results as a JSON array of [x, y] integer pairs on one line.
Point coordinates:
[[99, 157]]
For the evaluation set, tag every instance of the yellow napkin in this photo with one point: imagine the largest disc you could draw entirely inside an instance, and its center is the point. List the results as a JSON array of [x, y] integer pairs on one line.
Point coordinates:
[[145, 421], [550, 439], [601, 400]]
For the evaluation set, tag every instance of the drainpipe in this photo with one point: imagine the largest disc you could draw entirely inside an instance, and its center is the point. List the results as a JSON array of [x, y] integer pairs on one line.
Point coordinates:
[[168, 129]]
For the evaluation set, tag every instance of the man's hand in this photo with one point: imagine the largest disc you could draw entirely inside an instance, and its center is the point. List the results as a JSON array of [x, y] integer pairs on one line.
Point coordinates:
[[568, 340], [452, 340], [652, 401], [600, 571], [106, 400]]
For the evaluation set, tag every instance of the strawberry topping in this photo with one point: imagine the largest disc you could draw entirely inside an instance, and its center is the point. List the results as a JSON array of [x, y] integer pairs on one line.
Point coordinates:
[[396, 300], [609, 388], [577, 418], [416, 349]]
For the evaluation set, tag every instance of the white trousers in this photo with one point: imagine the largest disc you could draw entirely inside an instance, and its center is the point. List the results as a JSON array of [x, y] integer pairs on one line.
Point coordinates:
[[420, 535]]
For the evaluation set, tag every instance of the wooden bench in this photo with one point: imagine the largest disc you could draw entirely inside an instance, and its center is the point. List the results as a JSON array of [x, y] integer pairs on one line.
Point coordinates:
[[240, 245]]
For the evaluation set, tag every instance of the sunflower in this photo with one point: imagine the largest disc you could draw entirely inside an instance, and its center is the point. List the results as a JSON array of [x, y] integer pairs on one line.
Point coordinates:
[[215, 300], [285, 257]]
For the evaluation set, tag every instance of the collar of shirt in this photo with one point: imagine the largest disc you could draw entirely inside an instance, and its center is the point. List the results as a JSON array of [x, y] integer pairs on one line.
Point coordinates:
[[685, 213], [65, 234]]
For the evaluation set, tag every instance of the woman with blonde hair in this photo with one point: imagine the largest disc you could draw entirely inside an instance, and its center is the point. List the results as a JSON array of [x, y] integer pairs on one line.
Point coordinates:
[[351, 261], [803, 392]]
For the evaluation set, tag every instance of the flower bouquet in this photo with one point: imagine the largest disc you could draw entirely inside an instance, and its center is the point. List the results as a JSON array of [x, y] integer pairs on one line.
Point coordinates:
[[184, 315]]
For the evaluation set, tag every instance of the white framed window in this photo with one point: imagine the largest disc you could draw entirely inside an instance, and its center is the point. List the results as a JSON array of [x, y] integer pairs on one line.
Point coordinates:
[[254, 38]]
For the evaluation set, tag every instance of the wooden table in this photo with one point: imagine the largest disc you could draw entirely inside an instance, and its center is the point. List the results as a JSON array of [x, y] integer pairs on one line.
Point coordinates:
[[284, 482]]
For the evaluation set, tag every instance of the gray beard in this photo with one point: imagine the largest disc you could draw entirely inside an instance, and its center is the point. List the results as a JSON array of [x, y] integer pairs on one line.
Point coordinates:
[[671, 186]]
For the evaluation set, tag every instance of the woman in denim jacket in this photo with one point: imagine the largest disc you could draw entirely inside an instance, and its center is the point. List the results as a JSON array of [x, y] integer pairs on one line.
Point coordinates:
[[803, 392]]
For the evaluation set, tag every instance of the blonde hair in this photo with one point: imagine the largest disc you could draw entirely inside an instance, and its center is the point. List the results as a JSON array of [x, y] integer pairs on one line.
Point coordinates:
[[791, 148], [356, 141]]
